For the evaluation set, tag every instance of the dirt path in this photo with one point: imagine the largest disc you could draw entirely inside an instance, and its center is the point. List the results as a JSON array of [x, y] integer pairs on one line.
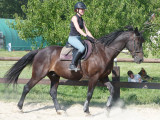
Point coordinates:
[[45, 111]]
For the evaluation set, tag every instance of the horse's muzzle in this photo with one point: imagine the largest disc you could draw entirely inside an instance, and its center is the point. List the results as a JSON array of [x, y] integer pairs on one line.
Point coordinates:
[[138, 60]]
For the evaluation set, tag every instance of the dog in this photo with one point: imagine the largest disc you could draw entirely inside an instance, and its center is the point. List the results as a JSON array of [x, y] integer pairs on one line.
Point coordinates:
[[144, 75]]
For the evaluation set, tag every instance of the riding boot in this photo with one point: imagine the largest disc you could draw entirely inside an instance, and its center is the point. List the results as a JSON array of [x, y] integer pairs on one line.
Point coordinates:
[[75, 59]]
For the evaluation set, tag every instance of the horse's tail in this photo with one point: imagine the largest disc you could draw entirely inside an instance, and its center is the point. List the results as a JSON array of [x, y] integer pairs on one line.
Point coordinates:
[[13, 73]]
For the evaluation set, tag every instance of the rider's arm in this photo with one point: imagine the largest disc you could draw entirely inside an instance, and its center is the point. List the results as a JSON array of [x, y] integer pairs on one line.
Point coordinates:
[[75, 22], [138, 77], [86, 30]]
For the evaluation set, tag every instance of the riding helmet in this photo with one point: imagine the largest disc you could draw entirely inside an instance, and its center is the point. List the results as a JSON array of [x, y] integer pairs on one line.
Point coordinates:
[[80, 5]]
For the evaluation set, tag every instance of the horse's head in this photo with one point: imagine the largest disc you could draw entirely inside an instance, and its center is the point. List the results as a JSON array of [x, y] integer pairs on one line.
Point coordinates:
[[134, 45]]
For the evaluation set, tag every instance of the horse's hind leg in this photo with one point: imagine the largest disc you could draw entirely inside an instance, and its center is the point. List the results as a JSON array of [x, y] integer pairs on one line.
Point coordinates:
[[36, 77], [53, 90], [26, 90]]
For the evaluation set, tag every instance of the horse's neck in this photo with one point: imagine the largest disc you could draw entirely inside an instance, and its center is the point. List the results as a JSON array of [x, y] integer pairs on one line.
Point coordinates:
[[116, 47]]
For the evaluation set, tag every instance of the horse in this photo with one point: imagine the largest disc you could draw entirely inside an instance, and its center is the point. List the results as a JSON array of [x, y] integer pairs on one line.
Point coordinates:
[[46, 62]]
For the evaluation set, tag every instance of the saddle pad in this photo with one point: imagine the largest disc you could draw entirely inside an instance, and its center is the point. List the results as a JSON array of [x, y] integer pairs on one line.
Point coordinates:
[[66, 53]]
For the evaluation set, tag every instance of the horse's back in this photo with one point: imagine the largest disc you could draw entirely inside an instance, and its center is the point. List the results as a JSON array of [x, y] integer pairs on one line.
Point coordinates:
[[47, 56], [51, 49]]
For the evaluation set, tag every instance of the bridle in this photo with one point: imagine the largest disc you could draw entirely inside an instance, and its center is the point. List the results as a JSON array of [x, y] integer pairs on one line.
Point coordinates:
[[135, 48]]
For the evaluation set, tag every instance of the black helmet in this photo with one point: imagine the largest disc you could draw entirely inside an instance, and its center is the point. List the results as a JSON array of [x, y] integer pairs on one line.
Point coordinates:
[[80, 5]]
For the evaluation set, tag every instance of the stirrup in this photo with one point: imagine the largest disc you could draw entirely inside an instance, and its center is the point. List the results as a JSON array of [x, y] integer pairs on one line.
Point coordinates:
[[72, 67]]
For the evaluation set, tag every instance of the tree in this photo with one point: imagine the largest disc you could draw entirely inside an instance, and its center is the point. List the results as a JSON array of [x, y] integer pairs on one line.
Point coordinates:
[[51, 18], [9, 7]]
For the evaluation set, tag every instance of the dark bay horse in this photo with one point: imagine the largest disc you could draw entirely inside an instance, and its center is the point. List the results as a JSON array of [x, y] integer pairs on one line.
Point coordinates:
[[97, 67]]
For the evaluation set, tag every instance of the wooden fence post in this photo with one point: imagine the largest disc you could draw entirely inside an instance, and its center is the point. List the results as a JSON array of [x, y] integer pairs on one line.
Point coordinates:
[[116, 78]]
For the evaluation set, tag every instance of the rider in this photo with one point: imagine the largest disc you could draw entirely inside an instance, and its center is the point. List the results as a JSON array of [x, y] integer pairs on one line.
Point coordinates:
[[77, 24]]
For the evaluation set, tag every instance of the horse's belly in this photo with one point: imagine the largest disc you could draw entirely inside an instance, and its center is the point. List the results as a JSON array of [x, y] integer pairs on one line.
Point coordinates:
[[61, 68]]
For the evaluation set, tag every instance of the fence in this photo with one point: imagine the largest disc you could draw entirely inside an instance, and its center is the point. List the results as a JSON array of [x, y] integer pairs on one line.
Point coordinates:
[[115, 78], [116, 60]]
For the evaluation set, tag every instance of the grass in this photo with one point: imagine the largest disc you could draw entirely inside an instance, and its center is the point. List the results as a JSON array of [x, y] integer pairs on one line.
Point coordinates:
[[71, 94], [4, 53]]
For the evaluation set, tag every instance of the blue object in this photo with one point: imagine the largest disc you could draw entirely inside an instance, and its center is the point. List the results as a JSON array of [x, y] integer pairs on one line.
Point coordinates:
[[75, 42]]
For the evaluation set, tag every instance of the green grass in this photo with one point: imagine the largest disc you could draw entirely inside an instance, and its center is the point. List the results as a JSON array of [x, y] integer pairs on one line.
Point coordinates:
[[12, 53], [151, 68], [72, 95]]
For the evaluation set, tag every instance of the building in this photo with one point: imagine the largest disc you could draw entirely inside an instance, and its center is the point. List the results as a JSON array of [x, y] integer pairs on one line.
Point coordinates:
[[9, 35]]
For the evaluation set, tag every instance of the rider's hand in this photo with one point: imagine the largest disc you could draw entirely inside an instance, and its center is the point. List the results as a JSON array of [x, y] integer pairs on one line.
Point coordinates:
[[90, 39]]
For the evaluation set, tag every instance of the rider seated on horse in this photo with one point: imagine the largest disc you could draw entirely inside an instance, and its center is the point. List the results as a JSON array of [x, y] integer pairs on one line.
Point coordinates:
[[77, 24]]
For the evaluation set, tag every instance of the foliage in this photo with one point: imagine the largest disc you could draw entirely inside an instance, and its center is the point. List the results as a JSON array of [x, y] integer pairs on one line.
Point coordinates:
[[51, 19], [153, 44], [9, 7], [47, 19]]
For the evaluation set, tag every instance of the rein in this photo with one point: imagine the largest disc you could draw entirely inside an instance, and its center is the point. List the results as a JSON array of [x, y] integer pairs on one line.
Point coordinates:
[[113, 48], [118, 50]]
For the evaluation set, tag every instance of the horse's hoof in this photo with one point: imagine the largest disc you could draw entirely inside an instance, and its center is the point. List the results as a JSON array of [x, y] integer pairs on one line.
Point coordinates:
[[108, 110], [87, 114], [85, 108], [20, 107], [61, 112], [86, 111]]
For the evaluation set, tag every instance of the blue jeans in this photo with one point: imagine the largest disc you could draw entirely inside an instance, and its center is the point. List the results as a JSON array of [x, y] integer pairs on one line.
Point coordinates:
[[75, 42]]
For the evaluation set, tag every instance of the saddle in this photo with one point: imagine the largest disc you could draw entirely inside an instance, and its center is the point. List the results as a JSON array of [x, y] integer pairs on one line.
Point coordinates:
[[68, 51]]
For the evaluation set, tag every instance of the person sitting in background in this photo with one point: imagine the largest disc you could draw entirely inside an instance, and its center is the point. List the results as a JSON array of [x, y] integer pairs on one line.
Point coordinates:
[[134, 78]]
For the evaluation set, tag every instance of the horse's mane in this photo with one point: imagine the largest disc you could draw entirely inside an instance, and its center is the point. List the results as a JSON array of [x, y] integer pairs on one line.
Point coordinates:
[[108, 39]]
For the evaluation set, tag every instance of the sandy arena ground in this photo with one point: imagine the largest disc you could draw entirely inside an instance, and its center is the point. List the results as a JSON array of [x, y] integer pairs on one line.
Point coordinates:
[[46, 111]]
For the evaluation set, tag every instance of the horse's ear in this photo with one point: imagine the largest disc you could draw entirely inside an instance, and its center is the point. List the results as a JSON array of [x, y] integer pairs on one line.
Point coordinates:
[[136, 31]]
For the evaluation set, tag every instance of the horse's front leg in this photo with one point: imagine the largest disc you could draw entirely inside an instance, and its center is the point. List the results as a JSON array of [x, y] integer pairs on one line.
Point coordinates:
[[110, 87], [111, 90], [91, 86], [53, 91]]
